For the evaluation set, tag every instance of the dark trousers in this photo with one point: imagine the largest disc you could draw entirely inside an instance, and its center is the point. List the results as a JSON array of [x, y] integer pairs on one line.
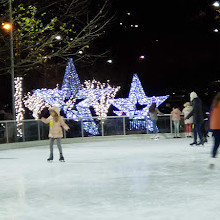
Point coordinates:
[[197, 130], [216, 135]]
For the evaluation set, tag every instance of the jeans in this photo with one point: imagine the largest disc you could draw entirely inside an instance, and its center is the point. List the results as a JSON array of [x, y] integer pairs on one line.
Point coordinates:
[[216, 135], [155, 129], [58, 145], [197, 130], [176, 127]]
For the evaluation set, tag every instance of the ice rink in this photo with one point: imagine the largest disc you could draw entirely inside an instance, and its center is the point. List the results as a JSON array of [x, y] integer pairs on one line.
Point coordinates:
[[123, 179]]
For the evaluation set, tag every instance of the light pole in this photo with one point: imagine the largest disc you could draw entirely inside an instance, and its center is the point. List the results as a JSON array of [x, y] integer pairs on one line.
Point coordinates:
[[12, 59]]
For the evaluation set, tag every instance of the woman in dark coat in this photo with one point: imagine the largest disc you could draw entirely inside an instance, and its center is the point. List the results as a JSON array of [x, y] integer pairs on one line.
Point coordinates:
[[197, 113]]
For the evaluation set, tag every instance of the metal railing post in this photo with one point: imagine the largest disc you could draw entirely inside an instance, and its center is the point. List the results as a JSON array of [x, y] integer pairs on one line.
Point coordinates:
[[23, 136], [102, 126], [171, 125], [38, 129], [6, 131], [124, 130], [82, 132]]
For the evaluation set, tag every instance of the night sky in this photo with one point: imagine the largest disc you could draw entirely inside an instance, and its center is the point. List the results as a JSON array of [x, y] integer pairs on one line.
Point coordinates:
[[181, 50], [177, 39]]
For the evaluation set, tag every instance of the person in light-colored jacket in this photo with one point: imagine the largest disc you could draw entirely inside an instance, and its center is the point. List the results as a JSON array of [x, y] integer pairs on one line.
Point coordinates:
[[176, 121], [188, 122], [153, 112], [56, 123]]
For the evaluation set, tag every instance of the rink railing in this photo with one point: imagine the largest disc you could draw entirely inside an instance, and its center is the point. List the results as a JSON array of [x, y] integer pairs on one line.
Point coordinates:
[[111, 125]]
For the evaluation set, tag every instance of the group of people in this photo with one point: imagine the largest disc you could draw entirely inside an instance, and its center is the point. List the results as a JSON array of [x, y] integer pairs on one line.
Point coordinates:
[[193, 117]]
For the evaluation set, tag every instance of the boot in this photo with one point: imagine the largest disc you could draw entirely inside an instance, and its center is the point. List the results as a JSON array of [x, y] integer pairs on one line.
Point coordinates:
[[50, 158], [193, 143], [61, 158]]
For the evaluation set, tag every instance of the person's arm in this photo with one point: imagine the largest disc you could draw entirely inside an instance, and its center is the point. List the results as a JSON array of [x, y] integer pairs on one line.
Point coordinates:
[[158, 112], [63, 124], [46, 120]]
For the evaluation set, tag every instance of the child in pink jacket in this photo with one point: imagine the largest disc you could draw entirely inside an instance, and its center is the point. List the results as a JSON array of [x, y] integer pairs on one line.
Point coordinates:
[[176, 121], [56, 124]]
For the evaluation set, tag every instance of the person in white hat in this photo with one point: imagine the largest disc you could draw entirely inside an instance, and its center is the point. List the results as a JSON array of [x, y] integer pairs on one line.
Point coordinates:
[[198, 119], [188, 122], [57, 124]]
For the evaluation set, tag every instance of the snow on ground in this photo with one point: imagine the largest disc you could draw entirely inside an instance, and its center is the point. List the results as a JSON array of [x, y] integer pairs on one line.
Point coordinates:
[[128, 179]]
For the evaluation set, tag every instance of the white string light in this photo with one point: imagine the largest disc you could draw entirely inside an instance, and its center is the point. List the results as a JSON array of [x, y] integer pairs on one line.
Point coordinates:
[[19, 108]]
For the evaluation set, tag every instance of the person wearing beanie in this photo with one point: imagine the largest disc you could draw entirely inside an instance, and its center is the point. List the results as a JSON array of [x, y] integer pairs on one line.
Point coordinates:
[[215, 126], [188, 122], [197, 113], [56, 123]]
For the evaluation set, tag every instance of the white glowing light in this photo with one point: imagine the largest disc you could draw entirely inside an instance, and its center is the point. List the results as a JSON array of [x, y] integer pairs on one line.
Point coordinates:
[[19, 108], [128, 13], [136, 26], [128, 106], [109, 61], [80, 52], [142, 57], [58, 37], [215, 30], [216, 4]]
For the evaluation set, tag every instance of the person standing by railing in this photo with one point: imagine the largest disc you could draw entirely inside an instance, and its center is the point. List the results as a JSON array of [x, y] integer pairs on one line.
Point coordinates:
[[197, 113], [188, 122], [215, 127], [176, 121], [56, 124], [153, 112]]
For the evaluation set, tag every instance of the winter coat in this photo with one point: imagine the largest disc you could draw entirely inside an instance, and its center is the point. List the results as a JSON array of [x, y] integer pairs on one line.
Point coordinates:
[[185, 112], [197, 111], [56, 127], [176, 114], [153, 115], [215, 118]]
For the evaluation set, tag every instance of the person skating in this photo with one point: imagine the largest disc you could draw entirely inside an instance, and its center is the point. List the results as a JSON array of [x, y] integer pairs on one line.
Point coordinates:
[[197, 113], [215, 127], [56, 123], [153, 112], [176, 121], [188, 122]]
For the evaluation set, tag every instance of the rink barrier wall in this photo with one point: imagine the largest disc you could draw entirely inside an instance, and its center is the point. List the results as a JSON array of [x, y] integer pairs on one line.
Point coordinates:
[[111, 126]]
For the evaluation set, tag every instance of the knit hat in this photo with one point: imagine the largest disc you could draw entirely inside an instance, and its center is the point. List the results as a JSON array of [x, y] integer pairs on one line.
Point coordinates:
[[193, 95], [186, 104], [56, 109]]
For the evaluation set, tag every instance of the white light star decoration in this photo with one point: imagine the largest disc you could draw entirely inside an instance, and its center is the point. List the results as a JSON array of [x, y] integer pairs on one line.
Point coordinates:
[[19, 107], [93, 93], [137, 105]]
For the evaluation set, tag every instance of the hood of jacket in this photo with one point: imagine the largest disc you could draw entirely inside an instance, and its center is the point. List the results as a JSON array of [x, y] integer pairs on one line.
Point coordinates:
[[193, 95], [56, 109]]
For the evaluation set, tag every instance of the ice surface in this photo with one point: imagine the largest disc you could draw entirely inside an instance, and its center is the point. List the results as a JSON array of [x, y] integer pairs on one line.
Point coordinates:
[[130, 179]]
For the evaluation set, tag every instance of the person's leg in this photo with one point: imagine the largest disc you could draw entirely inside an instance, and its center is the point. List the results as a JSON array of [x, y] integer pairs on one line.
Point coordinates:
[[216, 135], [154, 126], [195, 132], [59, 145], [178, 128], [174, 125], [51, 146], [199, 130]]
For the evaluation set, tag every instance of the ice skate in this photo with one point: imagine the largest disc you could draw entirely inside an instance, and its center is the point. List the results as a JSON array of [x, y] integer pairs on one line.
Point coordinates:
[[193, 143], [61, 158], [50, 159], [201, 143]]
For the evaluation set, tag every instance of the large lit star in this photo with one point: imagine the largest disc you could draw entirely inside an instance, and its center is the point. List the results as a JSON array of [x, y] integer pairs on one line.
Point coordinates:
[[137, 105]]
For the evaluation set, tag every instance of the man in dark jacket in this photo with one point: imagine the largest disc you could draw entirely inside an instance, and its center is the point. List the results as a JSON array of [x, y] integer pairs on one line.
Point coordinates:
[[198, 119]]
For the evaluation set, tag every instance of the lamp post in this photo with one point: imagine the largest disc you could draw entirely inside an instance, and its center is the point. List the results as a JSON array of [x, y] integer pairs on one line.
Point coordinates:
[[12, 59]]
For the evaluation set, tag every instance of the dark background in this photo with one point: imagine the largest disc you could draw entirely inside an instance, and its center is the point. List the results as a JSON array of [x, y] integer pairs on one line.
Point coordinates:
[[177, 39]]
